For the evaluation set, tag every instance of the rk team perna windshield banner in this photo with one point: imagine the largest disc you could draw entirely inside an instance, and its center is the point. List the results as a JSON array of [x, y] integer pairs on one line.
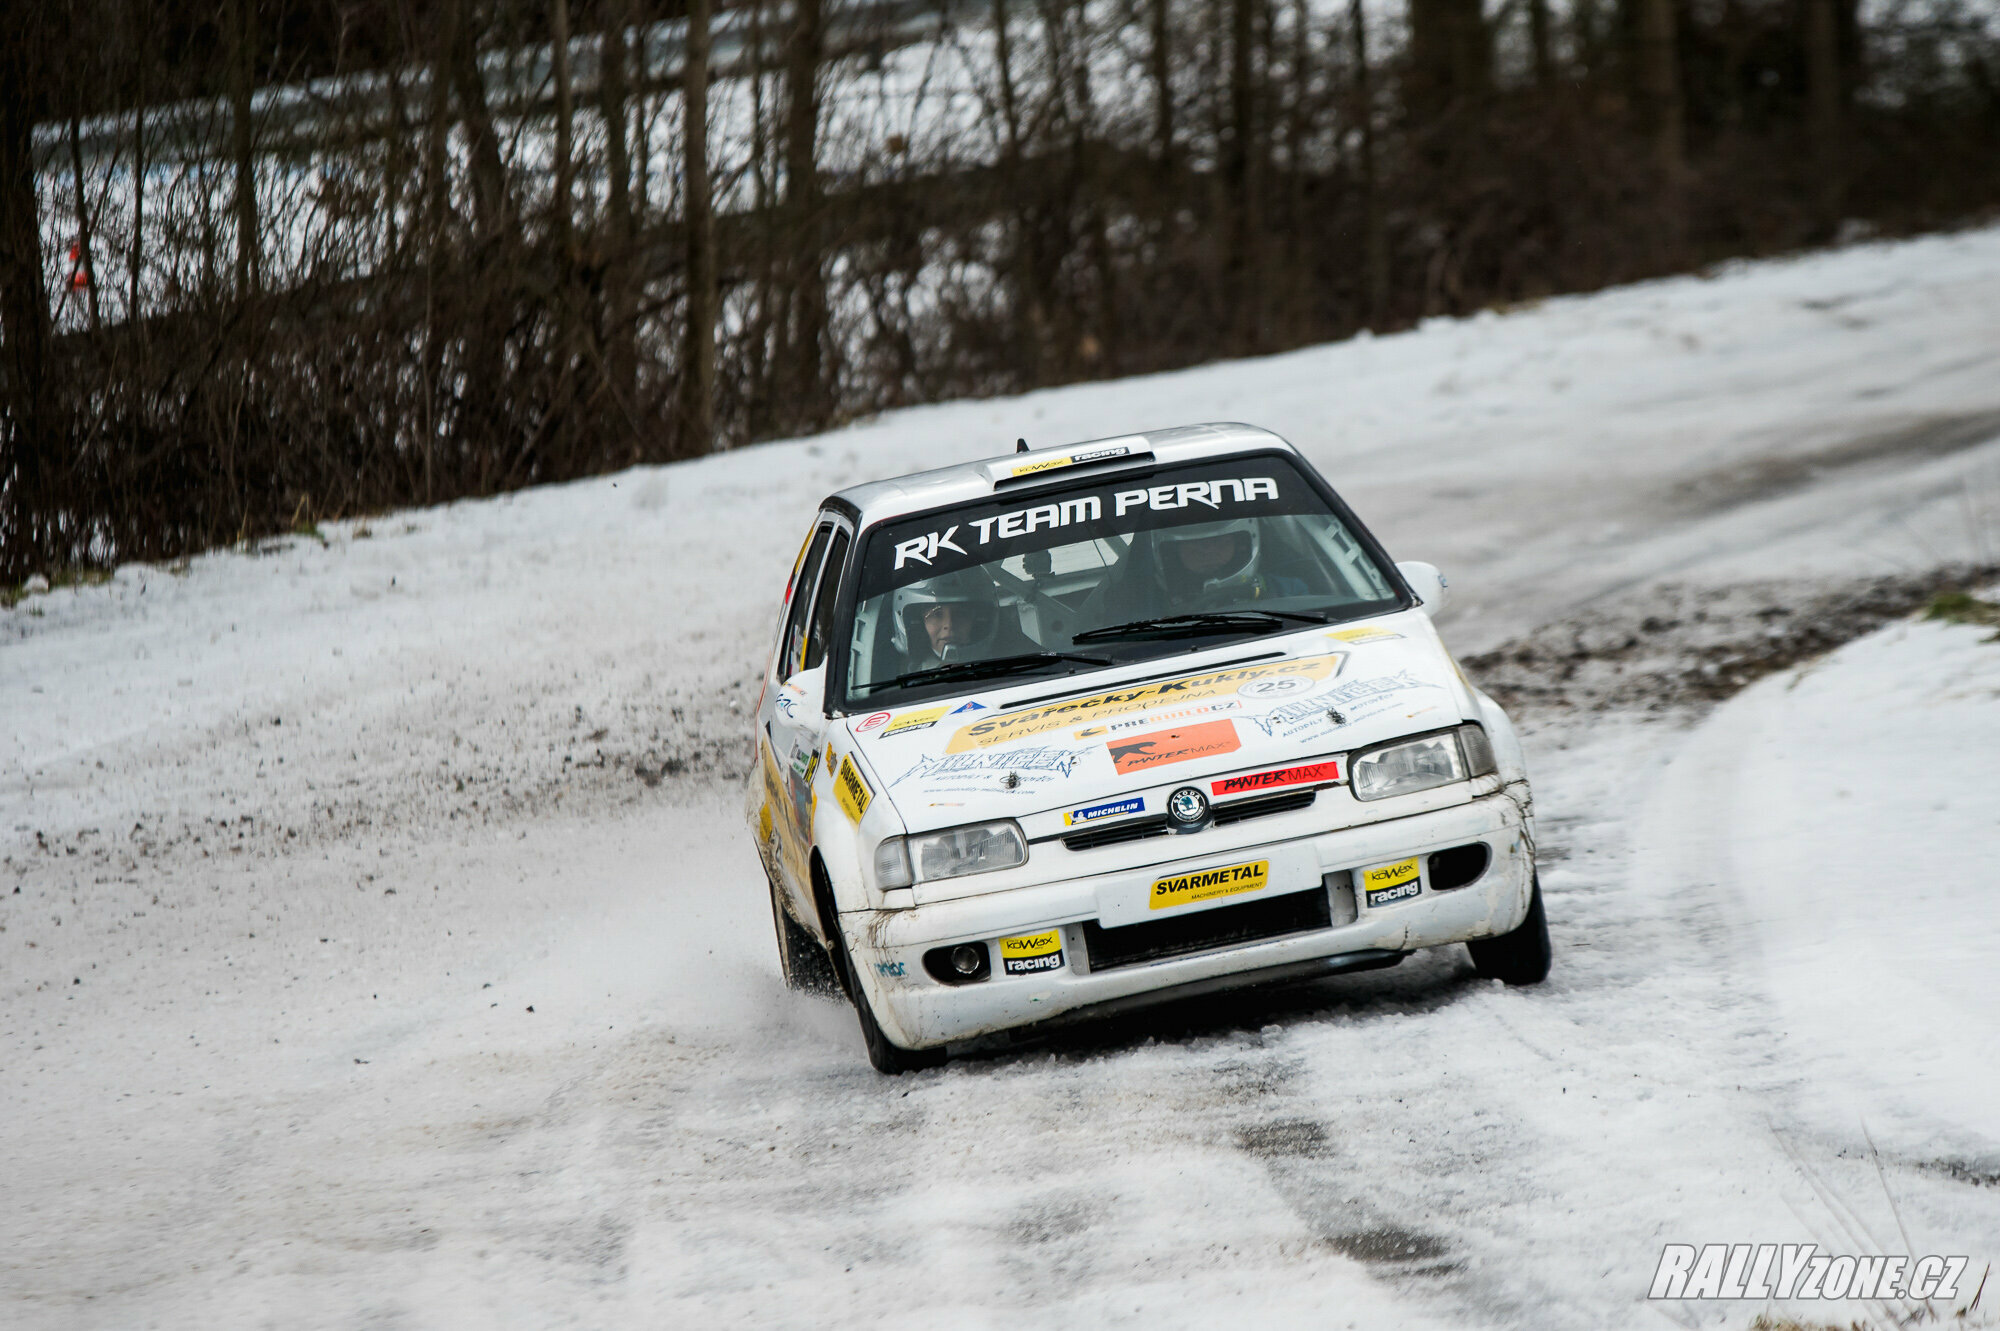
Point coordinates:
[[900, 553]]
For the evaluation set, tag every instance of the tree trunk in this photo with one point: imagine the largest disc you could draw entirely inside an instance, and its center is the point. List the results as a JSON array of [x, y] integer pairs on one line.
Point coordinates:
[[806, 331], [1159, 65], [1824, 80], [1658, 79], [242, 140], [620, 300], [565, 230], [29, 464], [1450, 57], [1374, 238], [698, 357], [1240, 180], [492, 209], [1540, 43], [86, 262]]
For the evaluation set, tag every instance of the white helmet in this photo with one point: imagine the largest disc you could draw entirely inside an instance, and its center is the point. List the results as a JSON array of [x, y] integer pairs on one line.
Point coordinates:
[[1207, 557], [967, 593]]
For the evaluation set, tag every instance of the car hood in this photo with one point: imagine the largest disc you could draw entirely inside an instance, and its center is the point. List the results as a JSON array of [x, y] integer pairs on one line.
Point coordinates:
[[1027, 749]]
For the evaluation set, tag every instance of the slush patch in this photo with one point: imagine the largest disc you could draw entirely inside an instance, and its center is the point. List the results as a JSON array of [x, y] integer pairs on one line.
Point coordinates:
[[1012, 726], [1029, 953], [1091, 813], [1305, 774], [921, 719], [1142, 753], [851, 790], [1393, 882], [1228, 881], [1358, 636]]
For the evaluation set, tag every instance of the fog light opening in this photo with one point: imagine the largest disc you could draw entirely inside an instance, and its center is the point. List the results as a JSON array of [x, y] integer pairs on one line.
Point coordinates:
[[960, 963], [967, 960]]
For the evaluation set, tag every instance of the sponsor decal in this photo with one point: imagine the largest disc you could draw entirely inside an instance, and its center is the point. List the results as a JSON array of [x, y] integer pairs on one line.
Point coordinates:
[[922, 719], [874, 721], [1072, 459], [1208, 884], [1010, 726], [1788, 1271], [980, 771], [764, 821], [1392, 882], [829, 757], [968, 707], [1142, 753], [1302, 775], [1301, 719], [1358, 636], [788, 702], [1360, 690], [1030, 953], [1277, 686], [1160, 718], [852, 790], [890, 969], [1054, 516], [1092, 812]]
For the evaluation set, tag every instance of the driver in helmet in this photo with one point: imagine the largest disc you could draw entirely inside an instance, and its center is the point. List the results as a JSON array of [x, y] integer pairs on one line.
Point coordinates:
[[952, 617], [1216, 566]]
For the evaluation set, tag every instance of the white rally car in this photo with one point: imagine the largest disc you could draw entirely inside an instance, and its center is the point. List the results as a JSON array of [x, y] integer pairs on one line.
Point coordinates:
[[1075, 729]]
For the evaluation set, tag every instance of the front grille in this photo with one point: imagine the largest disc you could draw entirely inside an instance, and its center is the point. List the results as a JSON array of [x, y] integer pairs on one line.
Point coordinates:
[[1239, 810], [1136, 830], [1204, 930], [1234, 812]]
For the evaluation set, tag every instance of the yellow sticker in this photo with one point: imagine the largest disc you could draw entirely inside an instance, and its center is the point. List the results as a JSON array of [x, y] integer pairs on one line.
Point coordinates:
[[1010, 726], [851, 790], [829, 757], [1393, 882], [764, 822], [1364, 635], [1072, 459], [1046, 464], [1228, 881], [921, 719], [1029, 953]]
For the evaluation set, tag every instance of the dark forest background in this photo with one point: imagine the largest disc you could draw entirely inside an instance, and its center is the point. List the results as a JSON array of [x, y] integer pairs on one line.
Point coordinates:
[[267, 262]]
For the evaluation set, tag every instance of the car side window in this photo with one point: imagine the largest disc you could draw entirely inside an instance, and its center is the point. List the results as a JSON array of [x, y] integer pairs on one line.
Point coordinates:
[[823, 604], [802, 596]]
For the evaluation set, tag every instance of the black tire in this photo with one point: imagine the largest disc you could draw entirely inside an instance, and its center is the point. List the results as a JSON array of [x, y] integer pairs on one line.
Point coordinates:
[[803, 962], [1520, 956], [884, 1054]]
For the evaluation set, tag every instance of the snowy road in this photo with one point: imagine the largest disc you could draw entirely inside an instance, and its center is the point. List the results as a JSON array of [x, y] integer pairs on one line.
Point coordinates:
[[386, 950]]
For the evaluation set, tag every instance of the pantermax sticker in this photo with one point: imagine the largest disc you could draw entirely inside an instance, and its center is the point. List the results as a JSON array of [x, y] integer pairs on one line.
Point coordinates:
[[1111, 809], [1007, 727], [852, 790], [1208, 884], [1306, 774], [1031, 953], [1392, 882], [921, 719], [1142, 753]]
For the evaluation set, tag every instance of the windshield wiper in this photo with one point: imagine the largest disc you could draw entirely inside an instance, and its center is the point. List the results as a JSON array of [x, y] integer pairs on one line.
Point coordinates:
[[999, 665], [1189, 626]]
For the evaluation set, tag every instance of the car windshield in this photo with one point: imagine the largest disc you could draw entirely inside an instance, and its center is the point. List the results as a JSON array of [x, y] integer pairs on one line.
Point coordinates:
[[1106, 572]]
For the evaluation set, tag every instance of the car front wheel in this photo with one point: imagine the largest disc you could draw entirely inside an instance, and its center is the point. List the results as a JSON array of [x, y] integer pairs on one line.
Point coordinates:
[[802, 961], [1521, 955], [884, 1054]]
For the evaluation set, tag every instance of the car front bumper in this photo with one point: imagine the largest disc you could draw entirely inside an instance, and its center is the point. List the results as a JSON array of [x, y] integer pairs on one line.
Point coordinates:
[[918, 1011]]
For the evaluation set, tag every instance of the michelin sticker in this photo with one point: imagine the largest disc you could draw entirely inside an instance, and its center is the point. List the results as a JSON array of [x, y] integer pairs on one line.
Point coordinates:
[[1112, 809]]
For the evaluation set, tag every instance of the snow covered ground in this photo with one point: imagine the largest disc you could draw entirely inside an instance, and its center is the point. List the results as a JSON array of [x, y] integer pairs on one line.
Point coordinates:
[[386, 950]]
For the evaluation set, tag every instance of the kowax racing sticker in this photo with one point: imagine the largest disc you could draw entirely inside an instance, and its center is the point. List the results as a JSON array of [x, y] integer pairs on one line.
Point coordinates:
[[1030, 953], [1208, 884], [1009, 726], [851, 790], [1072, 459], [1304, 774], [1142, 753], [1392, 882], [1091, 813], [921, 719]]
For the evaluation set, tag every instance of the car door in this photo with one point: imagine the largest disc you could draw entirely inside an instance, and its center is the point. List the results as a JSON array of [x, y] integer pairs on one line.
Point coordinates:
[[797, 725]]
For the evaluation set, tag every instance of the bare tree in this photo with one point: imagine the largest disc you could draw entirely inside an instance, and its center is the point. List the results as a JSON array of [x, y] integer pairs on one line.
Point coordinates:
[[697, 433]]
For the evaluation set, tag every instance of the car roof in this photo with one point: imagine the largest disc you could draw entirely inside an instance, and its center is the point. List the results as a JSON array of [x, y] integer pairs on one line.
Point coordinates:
[[969, 482]]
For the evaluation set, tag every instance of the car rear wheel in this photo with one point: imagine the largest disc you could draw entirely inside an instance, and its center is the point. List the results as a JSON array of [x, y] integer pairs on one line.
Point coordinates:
[[1520, 956], [884, 1054], [803, 962]]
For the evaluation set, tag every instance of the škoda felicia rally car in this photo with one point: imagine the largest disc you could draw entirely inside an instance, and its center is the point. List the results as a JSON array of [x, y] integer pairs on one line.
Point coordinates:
[[1072, 730]]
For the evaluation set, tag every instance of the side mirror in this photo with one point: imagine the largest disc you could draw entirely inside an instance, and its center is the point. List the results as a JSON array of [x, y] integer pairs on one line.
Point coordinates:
[[808, 687], [1427, 583]]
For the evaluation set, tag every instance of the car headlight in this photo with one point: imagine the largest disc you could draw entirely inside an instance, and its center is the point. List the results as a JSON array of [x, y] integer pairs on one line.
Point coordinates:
[[952, 853], [1411, 765]]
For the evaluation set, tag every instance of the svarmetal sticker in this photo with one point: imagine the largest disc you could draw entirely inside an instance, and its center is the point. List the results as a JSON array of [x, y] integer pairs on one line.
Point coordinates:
[[1208, 884]]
